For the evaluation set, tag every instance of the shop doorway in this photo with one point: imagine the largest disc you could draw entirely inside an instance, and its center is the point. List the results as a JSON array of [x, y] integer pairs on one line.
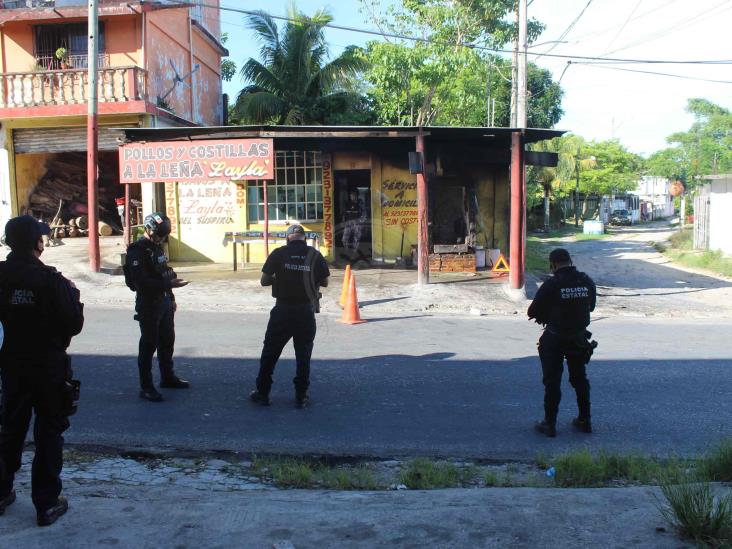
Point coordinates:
[[352, 197]]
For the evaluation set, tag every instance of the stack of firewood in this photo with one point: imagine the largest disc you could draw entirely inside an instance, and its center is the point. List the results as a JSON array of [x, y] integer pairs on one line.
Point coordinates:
[[60, 197]]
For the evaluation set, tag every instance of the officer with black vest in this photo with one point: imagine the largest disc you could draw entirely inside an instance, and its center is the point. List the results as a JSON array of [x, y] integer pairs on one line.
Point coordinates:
[[296, 272], [148, 273], [563, 305], [40, 311]]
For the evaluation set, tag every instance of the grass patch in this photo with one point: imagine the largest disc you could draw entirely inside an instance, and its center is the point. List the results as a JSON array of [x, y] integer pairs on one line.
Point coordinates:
[[697, 513], [717, 464], [680, 249], [346, 478], [582, 469], [581, 236], [537, 255], [490, 479], [423, 474]]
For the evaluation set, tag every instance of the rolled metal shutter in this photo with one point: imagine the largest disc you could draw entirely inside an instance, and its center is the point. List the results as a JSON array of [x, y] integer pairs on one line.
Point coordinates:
[[57, 140]]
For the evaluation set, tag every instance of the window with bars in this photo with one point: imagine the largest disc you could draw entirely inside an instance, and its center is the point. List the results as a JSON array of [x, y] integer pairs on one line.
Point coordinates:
[[73, 38], [296, 193]]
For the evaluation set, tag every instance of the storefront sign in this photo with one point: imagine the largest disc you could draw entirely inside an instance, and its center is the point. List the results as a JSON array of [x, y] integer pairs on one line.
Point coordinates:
[[399, 204], [327, 203], [207, 203], [202, 160]]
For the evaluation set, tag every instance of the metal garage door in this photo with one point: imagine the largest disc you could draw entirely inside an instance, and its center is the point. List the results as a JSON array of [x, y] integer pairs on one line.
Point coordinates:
[[56, 140]]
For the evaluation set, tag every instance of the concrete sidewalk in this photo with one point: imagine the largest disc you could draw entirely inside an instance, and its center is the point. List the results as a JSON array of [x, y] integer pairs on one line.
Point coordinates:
[[216, 287], [141, 514]]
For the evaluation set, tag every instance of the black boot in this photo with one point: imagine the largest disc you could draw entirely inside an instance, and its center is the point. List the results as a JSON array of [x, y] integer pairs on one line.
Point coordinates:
[[302, 400], [6, 501], [48, 516], [258, 398], [174, 382], [547, 428], [582, 424], [151, 394]]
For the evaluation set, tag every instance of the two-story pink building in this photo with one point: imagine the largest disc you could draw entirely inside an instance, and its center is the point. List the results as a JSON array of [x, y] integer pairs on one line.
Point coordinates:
[[159, 66]]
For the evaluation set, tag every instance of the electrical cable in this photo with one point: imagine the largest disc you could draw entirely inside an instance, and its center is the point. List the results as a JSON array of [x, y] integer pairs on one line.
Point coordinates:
[[622, 27], [651, 72], [567, 30], [474, 46]]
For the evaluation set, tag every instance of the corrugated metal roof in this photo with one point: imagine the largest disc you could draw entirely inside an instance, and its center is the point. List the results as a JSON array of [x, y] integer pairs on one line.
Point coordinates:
[[500, 136]]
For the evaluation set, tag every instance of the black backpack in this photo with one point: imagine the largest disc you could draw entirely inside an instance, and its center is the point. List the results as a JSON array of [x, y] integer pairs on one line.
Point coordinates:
[[129, 281]]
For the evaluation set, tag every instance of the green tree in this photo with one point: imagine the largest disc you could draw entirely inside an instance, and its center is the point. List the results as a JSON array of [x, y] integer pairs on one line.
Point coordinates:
[[616, 170], [228, 66], [706, 148], [441, 81], [293, 82]]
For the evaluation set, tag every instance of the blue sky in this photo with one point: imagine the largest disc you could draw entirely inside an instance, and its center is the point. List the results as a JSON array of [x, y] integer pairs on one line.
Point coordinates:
[[600, 102]]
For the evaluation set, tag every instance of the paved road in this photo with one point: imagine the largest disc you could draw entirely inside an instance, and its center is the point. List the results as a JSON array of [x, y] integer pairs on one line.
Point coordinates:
[[633, 278], [411, 385]]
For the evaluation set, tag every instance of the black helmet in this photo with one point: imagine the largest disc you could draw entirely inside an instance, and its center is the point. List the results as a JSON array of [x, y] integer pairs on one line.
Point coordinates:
[[158, 223]]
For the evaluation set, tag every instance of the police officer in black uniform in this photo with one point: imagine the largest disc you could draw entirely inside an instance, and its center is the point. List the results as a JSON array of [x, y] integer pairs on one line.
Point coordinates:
[[295, 272], [150, 276], [563, 305], [40, 311]]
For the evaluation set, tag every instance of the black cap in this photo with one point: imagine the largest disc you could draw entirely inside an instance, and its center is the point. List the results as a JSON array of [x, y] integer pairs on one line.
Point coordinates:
[[22, 233], [559, 255], [295, 229]]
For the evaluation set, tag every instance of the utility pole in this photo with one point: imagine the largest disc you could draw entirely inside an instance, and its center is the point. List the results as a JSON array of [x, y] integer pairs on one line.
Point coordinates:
[[514, 76], [92, 137], [576, 192], [423, 261], [521, 118], [488, 95]]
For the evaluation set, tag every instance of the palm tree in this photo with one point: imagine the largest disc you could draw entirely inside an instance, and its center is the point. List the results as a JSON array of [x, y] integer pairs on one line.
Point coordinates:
[[569, 166], [293, 83]]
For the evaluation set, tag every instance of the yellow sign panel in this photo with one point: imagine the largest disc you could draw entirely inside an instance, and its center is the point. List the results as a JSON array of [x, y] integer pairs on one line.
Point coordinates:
[[500, 266]]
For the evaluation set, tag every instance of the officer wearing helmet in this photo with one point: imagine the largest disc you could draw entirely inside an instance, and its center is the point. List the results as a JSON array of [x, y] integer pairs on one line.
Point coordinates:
[[148, 274], [40, 311]]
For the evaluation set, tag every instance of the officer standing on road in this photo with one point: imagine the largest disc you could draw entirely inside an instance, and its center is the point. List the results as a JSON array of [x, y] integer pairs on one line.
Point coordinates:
[[148, 273], [40, 311], [563, 305], [295, 272]]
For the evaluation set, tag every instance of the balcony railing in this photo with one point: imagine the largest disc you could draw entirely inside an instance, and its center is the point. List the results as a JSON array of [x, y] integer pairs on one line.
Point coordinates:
[[51, 62], [25, 4], [70, 87]]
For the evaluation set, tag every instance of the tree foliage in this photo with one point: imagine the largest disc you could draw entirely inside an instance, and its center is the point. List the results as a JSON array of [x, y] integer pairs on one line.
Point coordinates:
[[228, 66], [293, 82], [705, 149], [440, 81], [412, 85]]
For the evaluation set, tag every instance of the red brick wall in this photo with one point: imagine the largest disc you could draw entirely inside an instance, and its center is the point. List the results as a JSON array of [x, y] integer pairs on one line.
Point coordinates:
[[452, 263]]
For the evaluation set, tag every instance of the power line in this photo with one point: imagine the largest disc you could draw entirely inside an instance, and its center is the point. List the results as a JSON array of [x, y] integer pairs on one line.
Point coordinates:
[[622, 28], [567, 30], [471, 46], [696, 19], [601, 66]]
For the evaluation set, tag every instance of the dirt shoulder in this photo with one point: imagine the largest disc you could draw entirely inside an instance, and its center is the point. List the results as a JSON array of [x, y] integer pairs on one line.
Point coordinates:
[[634, 279]]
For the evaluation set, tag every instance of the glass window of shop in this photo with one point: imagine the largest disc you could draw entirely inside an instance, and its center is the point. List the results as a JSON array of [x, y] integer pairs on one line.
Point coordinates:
[[296, 194]]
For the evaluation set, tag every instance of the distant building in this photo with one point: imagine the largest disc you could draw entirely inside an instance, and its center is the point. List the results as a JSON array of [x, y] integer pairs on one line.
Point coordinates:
[[712, 219], [656, 201], [158, 66]]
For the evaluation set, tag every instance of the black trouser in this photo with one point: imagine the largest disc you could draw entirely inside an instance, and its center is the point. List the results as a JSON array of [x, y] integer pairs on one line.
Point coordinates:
[[157, 333], [553, 349], [27, 388], [288, 321]]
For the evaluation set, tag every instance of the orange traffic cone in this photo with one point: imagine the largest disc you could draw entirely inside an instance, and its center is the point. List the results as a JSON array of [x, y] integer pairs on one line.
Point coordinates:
[[351, 314], [344, 290]]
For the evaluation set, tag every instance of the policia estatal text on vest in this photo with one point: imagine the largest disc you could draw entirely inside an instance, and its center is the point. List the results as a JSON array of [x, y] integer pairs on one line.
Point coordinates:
[[40, 311], [295, 272], [563, 305]]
